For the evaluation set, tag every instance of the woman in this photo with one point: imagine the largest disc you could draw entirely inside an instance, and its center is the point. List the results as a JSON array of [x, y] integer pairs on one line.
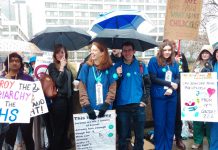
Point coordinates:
[[214, 125], [97, 75], [202, 64], [61, 109], [164, 74]]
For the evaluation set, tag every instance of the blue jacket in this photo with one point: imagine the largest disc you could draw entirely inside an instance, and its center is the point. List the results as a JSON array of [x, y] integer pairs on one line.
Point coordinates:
[[130, 88]]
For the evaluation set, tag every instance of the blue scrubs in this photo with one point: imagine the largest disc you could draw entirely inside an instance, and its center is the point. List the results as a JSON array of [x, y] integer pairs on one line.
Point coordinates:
[[163, 107], [214, 125], [88, 75]]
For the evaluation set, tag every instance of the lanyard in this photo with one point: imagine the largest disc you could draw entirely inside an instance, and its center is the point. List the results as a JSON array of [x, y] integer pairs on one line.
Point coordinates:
[[97, 78]]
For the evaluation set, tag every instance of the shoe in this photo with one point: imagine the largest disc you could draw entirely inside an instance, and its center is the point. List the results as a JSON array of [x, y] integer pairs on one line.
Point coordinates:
[[196, 146], [180, 144]]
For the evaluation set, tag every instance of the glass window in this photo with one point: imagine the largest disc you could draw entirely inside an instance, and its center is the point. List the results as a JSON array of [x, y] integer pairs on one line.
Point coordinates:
[[95, 6], [161, 22], [14, 28], [81, 14], [150, 8], [66, 21], [50, 5], [66, 5], [138, 7], [81, 22], [124, 6], [94, 14], [66, 13], [163, 1], [162, 8], [154, 30], [80, 6], [152, 15], [51, 13], [110, 6], [51, 21], [162, 15]]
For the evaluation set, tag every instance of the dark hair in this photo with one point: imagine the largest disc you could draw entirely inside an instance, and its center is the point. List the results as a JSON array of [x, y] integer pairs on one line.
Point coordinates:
[[106, 61], [214, 60], [160, 59], [199, 56], [14, 55], [57, 49], [128, 43]]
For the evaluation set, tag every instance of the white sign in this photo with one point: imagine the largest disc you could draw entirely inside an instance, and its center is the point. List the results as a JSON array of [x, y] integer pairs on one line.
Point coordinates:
[[98, 134], [42, 63], [212, 32], [199, 97], [15, 101], [38, 102]]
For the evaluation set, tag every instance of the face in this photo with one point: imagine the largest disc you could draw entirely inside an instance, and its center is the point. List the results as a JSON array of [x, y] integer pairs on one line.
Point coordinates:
[[174, 46], [128, 53], [205, 55], [96, 54], [167, 51], [60, 54], [217, 55], [14, 64], [115, 51]]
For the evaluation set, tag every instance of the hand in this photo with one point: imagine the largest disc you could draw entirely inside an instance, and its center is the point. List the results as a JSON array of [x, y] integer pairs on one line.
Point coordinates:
[[90, 112], [178, 58], [63, 63], [119, 71], [142, 104], [168, 92], [174, 85], [103, 109]]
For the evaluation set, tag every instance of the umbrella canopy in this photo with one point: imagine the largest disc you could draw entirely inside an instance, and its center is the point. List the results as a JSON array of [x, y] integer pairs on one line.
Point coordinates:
[[8, 46], [126, 19], [114, 39], [71, 38]]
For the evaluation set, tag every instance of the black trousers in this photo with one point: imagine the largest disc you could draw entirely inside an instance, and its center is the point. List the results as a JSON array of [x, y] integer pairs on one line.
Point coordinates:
[[26, 131], [178, 123], [60, 121]]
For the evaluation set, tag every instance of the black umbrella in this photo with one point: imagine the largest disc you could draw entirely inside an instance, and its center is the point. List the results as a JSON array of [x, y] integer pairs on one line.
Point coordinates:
[[71, 38], [114, 38]]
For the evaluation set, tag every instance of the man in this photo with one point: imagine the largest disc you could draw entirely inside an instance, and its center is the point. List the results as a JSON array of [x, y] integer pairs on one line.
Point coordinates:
[[116, 55], [183, 67], [132, 94], [15, 71]]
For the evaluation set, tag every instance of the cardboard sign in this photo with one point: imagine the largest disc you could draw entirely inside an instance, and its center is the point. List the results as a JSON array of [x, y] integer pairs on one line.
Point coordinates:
[[15, 101], [98, 134], [212, 32], [182, 19], [38, 102], [199, 97]]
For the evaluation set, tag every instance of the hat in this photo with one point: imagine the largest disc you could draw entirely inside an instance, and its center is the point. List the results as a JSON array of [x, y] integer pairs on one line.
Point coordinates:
[[32, 59], [209, 48]]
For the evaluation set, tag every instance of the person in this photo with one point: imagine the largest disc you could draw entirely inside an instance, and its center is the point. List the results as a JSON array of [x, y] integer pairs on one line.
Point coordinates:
[[61, 111], [183, 67], [15, 70], [116, 55], [202, 64], [164, 74], [132, 94], [214, 125], [97, 75]]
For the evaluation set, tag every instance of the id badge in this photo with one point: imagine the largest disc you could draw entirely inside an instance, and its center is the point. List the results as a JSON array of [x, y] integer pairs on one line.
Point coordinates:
[[168, 77], [99, 93]]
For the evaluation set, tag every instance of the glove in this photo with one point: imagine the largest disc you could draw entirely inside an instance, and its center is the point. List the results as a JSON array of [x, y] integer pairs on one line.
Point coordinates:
[[103, 109], [90, 112]]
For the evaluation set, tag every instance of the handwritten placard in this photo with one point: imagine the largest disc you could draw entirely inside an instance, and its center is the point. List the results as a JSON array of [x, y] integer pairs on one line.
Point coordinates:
[[199, 97], [38, 102], [15, 101], [182, 19], [98, 134]]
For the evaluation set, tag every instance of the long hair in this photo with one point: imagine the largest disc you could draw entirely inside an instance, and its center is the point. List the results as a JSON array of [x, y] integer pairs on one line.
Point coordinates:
[[14, 55], [57, 49], [214, 60], [105, 61], [160, 59]]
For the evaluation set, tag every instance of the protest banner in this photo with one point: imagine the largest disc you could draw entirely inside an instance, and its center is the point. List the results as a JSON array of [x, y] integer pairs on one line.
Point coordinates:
[[39, 106], [212, 32], [15, 101], [199, 97], [42, 63], [98, 134], [182, 19]]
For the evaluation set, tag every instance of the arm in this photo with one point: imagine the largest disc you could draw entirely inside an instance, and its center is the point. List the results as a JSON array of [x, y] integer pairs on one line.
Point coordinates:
[[184, 64], [111, 93], [146, 89], [58, 76], [83, 96]]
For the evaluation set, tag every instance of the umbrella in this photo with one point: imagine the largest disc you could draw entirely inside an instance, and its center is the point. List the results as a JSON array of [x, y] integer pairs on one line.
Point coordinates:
[[71, 38], [126, 19], [114, 38], [8, 45]]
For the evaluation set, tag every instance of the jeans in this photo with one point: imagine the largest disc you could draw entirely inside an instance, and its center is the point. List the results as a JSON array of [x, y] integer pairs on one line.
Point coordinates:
[[124, 118]]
